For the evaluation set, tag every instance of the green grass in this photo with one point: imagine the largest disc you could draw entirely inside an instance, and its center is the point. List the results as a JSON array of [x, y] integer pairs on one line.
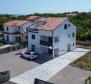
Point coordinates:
[[88, 80], [83, 62]]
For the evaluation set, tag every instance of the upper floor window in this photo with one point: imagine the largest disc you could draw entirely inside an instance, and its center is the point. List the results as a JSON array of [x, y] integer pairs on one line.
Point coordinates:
[[56, 39], [7, 29], [19, 28], [65, 26], [33, 36], [73, 34], [68, 35]]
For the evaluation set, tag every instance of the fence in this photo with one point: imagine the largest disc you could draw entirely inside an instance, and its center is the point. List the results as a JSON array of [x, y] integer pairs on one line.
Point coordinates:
[[9, 48], [4, 76]]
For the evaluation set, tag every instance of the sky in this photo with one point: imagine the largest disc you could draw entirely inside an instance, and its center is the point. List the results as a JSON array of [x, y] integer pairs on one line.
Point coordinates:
[[43, 6]]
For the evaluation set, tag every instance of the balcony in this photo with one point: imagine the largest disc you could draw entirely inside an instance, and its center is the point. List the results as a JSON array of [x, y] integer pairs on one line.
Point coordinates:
[[45, 43], [33, 30], [16, 33]]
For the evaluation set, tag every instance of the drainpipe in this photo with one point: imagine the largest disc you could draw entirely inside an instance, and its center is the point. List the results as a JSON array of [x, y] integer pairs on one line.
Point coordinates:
[[52, 45]]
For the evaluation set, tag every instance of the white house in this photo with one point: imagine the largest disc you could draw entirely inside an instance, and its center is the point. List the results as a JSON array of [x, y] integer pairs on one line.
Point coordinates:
[[53, 36], [16, 31]]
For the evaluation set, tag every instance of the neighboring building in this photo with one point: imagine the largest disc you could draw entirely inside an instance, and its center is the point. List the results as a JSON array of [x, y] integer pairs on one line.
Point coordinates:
[[53, 36], [32, 18], [16, 31]]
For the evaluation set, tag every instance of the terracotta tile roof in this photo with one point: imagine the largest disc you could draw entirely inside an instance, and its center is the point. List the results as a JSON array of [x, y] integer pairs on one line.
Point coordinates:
[[32, 17], [15, 23], [51, 23]]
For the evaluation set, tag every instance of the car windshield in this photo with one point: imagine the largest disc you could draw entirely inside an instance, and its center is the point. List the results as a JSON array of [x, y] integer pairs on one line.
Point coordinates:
[[33, 53]]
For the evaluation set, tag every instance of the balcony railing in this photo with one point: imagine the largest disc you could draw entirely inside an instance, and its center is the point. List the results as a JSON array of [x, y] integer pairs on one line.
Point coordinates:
[[33, 30], [45, 43], [16, 33]]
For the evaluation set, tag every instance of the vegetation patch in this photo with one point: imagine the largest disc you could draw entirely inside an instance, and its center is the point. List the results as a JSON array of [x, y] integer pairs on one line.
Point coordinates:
[[88, 80], [83, 62]]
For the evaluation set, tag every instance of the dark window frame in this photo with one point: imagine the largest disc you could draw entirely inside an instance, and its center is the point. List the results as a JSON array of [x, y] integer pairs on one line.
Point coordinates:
[[33, 36], [65, 26], [73, 34], [73, 44], [56, 39], [7, 28]]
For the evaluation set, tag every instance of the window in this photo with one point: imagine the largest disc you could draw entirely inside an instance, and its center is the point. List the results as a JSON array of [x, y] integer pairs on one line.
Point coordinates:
[[56, 39], [33, 47], [73, 44], [68, 35], [7, 29], [33, 36], [56, 51], [65, 26], [26, 37], [19, 28], [68, 25], [73, 34], [7, 38]]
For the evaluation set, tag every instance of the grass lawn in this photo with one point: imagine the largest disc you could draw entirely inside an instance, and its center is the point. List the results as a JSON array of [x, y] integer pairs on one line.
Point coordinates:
[[83, 62]]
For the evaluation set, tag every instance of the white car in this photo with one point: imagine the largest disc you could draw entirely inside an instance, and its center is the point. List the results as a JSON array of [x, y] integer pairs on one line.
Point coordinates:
[[29, 55]]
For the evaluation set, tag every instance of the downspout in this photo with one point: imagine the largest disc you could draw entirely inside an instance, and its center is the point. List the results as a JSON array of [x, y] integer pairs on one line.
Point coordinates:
[[52, 45]]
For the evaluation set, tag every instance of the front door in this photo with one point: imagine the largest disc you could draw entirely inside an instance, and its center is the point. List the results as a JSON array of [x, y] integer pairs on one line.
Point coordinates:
[[33, 47], [49, 51]]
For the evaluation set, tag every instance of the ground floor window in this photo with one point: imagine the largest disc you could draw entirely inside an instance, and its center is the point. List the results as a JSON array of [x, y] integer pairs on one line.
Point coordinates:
[[73, 44], [33, 47], [56, 51]]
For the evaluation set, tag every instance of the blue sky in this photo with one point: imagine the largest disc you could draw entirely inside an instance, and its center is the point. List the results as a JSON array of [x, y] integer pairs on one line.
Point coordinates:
[[43, 6]]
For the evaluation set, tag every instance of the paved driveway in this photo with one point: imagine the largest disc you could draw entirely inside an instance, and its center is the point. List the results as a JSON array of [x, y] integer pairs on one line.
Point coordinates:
[[50, 68], [15, 63]]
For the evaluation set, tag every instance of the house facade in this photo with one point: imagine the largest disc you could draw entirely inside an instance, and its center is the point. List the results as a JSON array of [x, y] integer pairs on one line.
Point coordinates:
[[16, 31], [54, 36]]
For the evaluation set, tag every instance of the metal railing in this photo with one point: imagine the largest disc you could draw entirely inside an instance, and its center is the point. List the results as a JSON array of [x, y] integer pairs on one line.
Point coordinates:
[[45, 43]]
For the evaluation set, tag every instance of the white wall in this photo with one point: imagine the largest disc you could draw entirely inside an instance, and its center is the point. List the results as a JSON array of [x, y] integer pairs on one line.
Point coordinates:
[[11, 38], [62, 33], [64, 40], [35, 41], [25, 26], [13, 29]]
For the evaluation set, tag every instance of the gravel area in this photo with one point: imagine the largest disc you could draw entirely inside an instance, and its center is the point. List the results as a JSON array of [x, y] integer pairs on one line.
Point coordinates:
[[17, 65]]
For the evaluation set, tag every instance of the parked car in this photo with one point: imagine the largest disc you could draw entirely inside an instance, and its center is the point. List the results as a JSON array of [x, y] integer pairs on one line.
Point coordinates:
[[29, 55]]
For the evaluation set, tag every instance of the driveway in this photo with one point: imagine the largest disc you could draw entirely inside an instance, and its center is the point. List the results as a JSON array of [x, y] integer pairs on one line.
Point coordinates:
[[50, 68], [13, 62]]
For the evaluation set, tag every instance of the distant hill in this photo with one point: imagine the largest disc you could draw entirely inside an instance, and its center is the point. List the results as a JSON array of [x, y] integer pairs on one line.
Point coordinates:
[[81, 20]]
